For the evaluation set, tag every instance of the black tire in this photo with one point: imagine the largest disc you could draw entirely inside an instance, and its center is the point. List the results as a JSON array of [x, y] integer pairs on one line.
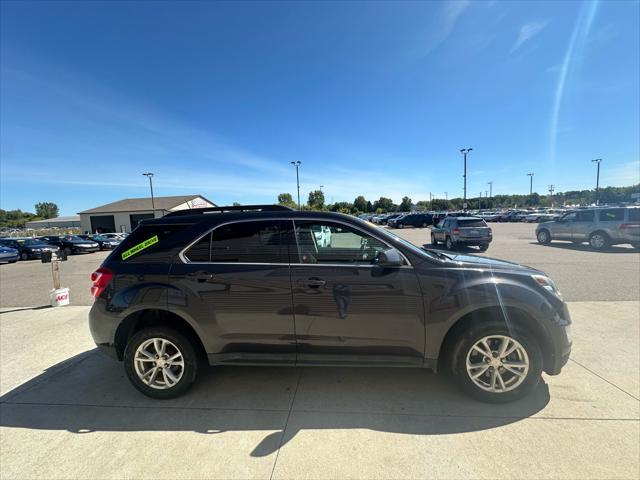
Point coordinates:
[[484, 247], [24, 256], [401, 225], [448, 244], [599, 240], [67, 251], [461, 346], [433, 240], [424, 225], [185, 348], [544, 237], [12, 261]]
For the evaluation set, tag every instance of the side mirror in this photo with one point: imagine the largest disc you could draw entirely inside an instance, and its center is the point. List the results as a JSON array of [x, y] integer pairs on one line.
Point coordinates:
[[390, 258]]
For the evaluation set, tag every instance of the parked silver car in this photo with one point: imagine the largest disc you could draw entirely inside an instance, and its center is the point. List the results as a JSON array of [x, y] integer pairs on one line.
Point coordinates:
[[600, 227]]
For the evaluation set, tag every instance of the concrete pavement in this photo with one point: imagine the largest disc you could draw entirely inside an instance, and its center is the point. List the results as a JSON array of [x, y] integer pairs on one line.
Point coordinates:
[[67, 411]]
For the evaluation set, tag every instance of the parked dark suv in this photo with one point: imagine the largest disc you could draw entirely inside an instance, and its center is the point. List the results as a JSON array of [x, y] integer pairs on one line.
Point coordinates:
[[254, 286]]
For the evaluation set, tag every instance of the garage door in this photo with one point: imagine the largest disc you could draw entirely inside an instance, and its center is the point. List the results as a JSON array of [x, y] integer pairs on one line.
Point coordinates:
[[135, 218], [103, 224]]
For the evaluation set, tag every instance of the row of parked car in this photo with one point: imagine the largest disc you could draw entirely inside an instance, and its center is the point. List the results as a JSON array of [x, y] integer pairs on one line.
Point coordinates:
[[13, 249]]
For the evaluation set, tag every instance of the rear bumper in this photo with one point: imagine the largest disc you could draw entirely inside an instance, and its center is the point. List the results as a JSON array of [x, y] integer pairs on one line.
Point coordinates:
[[473, 241]]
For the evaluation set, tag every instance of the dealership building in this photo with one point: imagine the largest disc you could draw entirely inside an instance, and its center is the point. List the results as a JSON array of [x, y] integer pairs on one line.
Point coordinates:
[[124, 215]]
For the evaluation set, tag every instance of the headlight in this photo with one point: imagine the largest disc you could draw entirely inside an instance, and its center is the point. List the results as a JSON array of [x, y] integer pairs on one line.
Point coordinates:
[[547, 284], [36, 249]]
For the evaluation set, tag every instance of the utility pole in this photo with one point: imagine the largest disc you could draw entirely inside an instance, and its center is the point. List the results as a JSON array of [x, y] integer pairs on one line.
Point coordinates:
[[490, 189], [551, 189], [530, 175], [464, 152], [597, 160], [149, 175], [321, 187], [480, 202], [297, 164]]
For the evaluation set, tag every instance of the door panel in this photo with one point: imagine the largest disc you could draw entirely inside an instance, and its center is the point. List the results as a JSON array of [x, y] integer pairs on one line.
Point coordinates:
[[242, 304], [583, 225], [349, 310]]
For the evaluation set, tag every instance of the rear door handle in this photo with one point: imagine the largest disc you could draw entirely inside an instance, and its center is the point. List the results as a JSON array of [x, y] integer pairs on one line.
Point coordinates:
[[313, 282], [200, 276]]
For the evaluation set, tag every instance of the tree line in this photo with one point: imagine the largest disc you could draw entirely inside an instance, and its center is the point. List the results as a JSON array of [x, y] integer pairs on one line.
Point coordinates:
[[316, 201], [18, 218]]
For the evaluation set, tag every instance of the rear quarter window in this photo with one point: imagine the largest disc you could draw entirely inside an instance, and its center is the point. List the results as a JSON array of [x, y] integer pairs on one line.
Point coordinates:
[[144, 240], [612, 214]]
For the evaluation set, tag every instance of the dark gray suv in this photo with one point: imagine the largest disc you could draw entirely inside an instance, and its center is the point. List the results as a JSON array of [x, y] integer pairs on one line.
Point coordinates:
[[256, 286], [463, 230]]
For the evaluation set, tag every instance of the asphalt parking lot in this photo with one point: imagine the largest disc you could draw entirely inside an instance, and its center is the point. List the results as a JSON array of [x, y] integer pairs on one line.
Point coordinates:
[[67, 411], [580, 273]]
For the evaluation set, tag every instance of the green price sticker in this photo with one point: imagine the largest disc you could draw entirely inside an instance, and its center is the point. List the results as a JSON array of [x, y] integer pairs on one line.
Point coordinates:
[[141, 246]]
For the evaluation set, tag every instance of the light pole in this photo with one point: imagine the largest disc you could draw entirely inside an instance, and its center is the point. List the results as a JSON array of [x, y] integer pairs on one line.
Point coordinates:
[[551, 189], [597, 160], [297, 164], [490, 189], [149, 175], [530, 175], [321, 187], [464, 152]]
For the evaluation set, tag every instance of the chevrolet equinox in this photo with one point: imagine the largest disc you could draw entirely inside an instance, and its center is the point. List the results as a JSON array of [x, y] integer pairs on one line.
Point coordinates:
[[267, 285]]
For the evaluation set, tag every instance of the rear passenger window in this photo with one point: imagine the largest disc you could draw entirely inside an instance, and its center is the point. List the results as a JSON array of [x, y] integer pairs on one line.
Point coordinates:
[[145, 240], [612, 214], [242, 242], [585, 216], [634, 214]]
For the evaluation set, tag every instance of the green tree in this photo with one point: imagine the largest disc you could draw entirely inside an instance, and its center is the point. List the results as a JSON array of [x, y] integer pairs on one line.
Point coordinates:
[[287, 200], [316, 200], [236, 204], [369, 206], [360, 204], [384, 204], [46, 210], [405, 205]]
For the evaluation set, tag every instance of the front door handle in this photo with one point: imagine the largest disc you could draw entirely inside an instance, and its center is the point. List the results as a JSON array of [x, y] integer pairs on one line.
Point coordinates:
[[200, 276], [313, 282]]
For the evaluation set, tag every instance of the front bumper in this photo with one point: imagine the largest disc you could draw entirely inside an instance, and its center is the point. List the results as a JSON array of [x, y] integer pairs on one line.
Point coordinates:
[[561, 341], [4, 258]]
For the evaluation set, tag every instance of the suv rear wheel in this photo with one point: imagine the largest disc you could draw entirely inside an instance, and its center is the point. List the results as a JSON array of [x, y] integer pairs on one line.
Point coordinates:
[[496, 364], [433, 239], [598, 240], [448, 243], [160, 362], [544, 237]]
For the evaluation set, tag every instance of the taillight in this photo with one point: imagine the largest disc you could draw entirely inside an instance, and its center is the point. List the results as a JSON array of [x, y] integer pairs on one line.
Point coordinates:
[[629, 225], [490, 231], [100, 279], [456, 231]]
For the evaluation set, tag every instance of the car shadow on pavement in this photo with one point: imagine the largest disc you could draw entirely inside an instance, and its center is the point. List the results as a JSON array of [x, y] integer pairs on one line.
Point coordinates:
[[90, 393], [585, 247]]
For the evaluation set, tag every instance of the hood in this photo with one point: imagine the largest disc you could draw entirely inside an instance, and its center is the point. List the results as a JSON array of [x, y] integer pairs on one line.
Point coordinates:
[[473, 261], [8, 250]]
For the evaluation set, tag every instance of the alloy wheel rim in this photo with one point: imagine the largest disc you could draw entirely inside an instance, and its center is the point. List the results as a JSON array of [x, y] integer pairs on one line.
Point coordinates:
[[159, 363], [597, 241], [497, 363], [542, 236]]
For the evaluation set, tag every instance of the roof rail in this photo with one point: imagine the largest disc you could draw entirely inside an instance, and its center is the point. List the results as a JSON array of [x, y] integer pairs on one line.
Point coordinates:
[[234, 208]]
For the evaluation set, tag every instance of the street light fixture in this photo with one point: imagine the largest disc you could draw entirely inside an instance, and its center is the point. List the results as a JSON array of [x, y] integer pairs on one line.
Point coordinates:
[[530, 175], [490, 189], [149, 175], [297, 164], [464, 152], [597, 160]]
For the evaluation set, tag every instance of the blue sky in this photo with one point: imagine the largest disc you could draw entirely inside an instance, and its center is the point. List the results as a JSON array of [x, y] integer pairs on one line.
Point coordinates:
[[374, 98]]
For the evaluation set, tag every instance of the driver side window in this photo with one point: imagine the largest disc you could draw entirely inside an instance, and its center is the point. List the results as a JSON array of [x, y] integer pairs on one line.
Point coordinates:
[[334, 243], [570, 217]]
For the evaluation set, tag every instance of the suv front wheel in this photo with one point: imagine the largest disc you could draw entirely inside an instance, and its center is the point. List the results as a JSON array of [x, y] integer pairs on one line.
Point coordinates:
[[598, 240], [160, 362], [496, 364]]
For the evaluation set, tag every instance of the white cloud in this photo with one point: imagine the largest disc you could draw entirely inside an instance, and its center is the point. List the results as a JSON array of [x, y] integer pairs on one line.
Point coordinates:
[[441, 26], [527, 32]]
